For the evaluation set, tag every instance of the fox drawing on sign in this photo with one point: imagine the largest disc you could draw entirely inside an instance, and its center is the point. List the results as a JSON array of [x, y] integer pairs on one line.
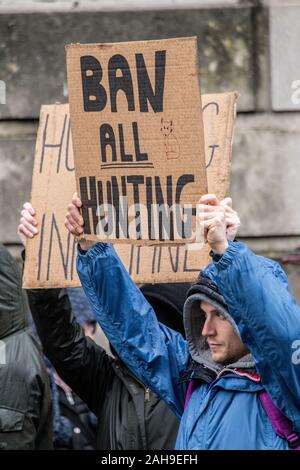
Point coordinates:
[[171, 144]]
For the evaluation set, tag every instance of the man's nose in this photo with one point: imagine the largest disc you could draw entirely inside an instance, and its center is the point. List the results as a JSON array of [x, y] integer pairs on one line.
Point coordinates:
[[208, 328]]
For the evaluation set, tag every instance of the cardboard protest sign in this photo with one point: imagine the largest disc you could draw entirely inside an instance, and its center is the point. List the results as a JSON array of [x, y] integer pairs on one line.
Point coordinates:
[[136, 117], [51, 255]]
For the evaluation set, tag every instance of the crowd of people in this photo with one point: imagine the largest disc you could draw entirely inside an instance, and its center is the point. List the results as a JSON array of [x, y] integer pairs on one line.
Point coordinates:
[[212, 365]]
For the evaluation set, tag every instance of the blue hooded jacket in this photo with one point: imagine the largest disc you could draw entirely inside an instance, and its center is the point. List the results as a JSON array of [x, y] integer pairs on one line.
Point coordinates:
[[226, 413]]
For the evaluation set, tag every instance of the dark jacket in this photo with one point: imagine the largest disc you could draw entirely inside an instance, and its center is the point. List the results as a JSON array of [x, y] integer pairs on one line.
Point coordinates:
[[74, 425], [25, 403], [129, 415]]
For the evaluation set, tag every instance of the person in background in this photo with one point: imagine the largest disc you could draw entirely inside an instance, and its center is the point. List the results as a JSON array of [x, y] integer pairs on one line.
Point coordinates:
[[25, 399], [75, 425]]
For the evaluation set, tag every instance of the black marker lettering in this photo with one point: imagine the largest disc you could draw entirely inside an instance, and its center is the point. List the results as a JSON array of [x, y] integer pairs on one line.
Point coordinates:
[[146, 93], [68, 167], [61, 250], [94, 94], [88, 203], [181, 183], [107, 139], [123, 83], [59, 145], [124, 157], [40, 256], [185, 268]]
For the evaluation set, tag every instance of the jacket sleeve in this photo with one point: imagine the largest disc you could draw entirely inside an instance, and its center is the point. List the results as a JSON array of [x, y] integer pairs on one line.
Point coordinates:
[[81, 363], [155, 354], [257, 294]]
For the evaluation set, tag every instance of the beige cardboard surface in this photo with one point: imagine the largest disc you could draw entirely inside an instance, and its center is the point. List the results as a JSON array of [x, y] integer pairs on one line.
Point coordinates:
[[136, 117], [51, 257], [219, 112]]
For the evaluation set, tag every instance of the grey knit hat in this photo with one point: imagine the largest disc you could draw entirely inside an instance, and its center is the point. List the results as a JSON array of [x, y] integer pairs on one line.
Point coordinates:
[[204, 290]]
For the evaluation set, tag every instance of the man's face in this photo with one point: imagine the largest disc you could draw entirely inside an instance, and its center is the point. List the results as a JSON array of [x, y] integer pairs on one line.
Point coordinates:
[[225, 345]]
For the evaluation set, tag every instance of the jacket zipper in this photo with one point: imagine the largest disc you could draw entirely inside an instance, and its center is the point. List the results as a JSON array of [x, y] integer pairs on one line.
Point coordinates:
[[146, 389], [70, 398]]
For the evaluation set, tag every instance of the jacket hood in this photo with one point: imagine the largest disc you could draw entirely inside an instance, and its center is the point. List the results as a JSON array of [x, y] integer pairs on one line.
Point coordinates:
[[167, 301], [193, 319], [14, 310]]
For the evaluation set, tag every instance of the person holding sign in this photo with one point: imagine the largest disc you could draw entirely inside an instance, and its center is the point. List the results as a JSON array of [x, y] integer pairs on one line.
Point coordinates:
[[26, 412], [129, 413], [235, 381]]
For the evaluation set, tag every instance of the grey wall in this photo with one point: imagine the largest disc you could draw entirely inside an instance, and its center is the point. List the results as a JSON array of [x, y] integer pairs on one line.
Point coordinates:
[[249, 46]]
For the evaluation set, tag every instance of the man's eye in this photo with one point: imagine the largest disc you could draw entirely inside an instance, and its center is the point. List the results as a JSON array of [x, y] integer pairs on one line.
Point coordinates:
[[219, 315]]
